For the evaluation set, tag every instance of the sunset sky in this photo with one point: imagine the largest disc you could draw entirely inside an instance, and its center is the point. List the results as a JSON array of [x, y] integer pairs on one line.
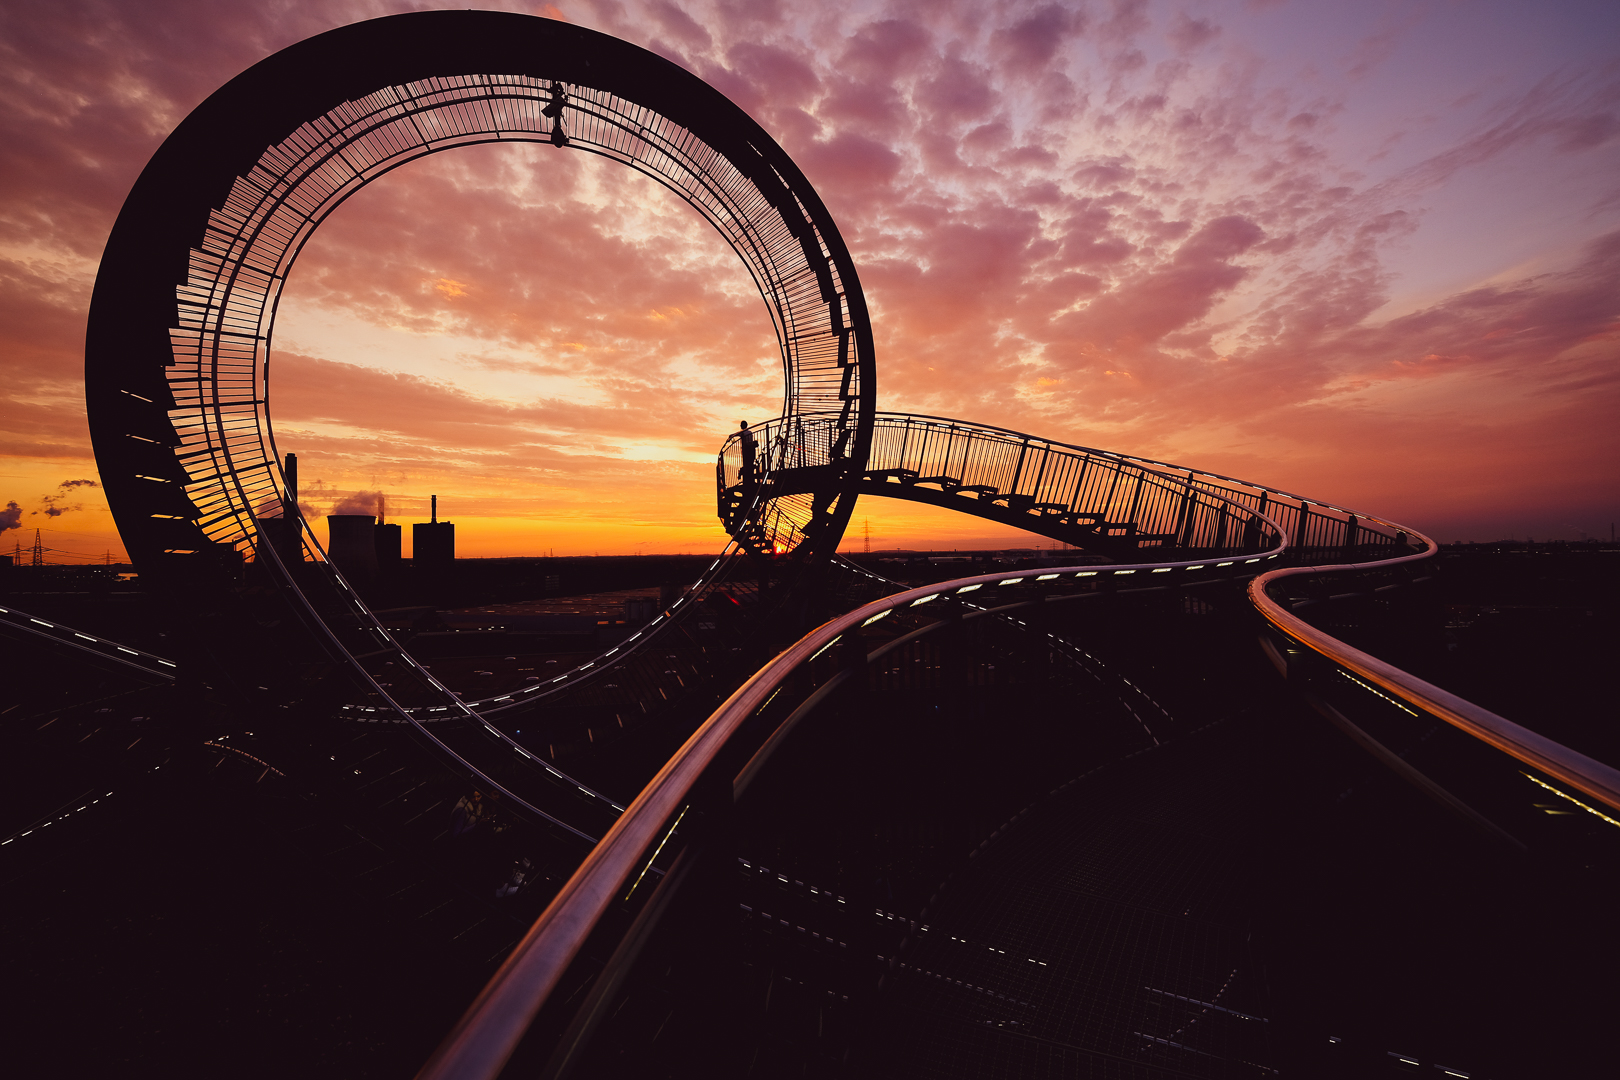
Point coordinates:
[[1365, 252]]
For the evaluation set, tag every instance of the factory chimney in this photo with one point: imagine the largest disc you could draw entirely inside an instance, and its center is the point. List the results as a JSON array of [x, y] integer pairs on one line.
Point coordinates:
[[433, 543], [387, 540], [289, 505], [285, 533]]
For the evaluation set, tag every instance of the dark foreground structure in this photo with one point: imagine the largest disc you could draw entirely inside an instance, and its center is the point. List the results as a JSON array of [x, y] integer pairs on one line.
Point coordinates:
[[1136, 813]]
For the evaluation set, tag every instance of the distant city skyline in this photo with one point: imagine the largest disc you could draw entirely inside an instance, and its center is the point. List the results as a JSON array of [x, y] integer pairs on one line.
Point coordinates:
[[1366, 253]]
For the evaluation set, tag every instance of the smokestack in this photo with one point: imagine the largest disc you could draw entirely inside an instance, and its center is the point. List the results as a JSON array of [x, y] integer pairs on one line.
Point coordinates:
[[433, 543], [290, 470], [380, 520], [285, 533]]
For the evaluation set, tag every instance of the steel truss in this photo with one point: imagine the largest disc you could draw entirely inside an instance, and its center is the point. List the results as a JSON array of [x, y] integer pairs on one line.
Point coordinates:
[[177, 357], [1112, 504], [188, 452]]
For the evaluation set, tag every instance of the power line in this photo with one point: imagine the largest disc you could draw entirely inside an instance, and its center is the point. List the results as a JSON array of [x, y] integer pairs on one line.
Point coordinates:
[[39, 554]]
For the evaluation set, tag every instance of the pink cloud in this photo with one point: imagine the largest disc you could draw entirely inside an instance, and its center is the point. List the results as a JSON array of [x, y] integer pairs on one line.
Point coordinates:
[[1127, 224], [1037, 37]]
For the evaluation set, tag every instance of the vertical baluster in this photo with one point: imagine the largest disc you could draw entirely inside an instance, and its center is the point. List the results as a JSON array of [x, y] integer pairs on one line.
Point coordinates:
[[1136, 498], [1035, 489], [1079, 482]]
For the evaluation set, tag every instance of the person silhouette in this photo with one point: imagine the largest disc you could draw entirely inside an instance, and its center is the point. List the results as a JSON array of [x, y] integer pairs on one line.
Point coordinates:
[[750, 451], [553, 109]]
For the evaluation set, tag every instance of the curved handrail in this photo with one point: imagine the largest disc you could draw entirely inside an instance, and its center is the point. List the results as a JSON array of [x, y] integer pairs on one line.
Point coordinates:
[[586, 670], [1585, 774], [1230, 488], [102, 648], [338, 648], [486, 1035]]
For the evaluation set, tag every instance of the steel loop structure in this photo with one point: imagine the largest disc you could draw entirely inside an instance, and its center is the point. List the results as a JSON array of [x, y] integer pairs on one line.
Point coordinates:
[[178, 347], [182, 318]]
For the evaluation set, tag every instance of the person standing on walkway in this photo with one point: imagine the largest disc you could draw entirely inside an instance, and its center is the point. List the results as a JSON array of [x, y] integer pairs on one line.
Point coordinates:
[[750, 451]]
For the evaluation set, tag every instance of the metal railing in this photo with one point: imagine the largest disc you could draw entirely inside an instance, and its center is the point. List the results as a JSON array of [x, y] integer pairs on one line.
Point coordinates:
[[188, 445], [1566, 766], [487, 1034], [1116, 504], [202, 249], [105, 649], [490, 1030]]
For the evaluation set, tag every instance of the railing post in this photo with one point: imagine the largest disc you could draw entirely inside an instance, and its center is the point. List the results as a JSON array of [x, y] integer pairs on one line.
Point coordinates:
[[1040, 475], [1184, 520], [1251, 532], [1136, 497], [1073, 503], [1113, 485]]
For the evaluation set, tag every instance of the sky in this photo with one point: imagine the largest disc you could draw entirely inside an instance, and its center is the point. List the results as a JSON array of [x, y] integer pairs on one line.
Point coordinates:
[[1368, 253]]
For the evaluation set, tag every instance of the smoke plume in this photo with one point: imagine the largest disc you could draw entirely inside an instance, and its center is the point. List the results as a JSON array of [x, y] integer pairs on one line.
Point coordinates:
[[361, 502]]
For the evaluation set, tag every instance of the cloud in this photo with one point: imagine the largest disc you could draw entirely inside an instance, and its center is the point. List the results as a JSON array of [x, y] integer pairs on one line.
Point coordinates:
[[10, 517], [50, 505], [1187, 33], [1036, 38], [1125, 223]]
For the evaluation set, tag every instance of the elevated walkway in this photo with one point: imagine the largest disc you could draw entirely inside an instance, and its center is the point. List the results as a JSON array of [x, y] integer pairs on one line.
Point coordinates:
[[1121, 507]]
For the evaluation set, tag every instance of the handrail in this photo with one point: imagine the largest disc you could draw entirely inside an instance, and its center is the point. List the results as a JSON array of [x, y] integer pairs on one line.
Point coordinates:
[[1113, 454], [993, 462], [586, 670], [102, 648], [487, 1034], [1165, 467], [1600, 781], [485, 1037]]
